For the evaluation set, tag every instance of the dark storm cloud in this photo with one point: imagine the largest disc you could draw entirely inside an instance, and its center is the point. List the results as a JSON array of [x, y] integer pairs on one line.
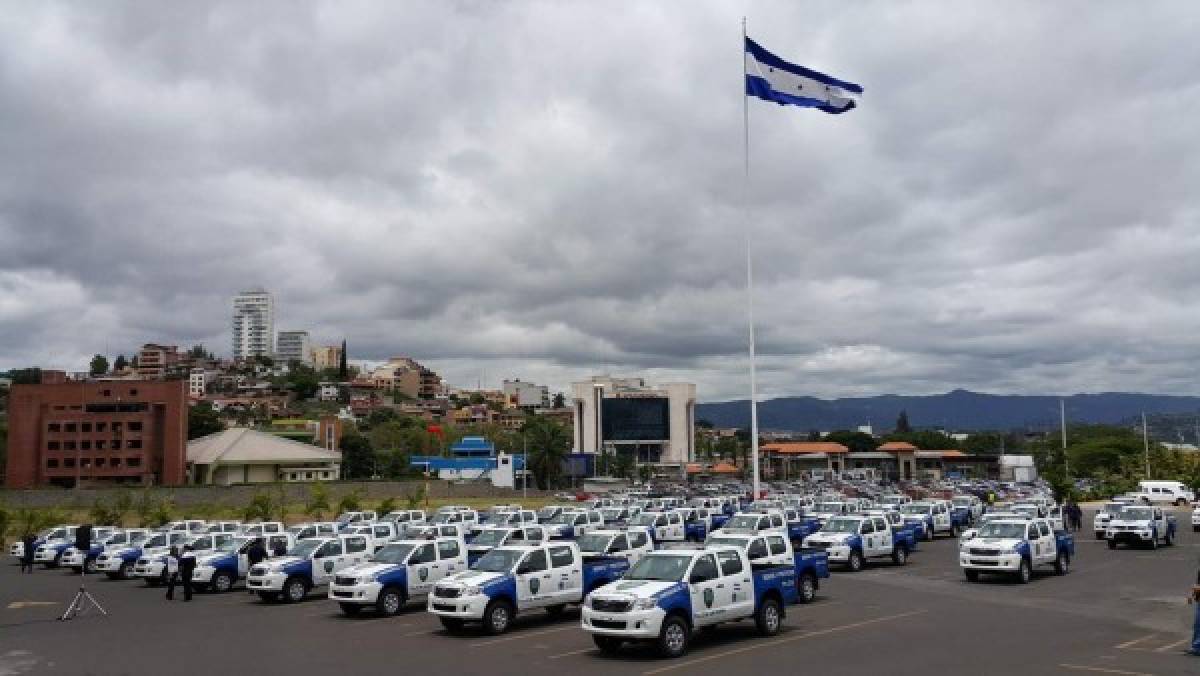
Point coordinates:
[[550, 189]]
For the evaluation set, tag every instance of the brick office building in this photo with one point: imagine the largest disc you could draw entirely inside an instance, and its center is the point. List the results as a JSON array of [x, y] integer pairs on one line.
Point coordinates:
[[96, 432]]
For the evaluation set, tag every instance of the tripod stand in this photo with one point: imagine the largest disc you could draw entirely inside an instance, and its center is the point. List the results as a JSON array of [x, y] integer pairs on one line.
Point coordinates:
[[83, 599]]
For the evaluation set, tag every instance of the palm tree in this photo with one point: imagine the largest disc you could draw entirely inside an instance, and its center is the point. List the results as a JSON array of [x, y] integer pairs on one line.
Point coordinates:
[[547, 442]]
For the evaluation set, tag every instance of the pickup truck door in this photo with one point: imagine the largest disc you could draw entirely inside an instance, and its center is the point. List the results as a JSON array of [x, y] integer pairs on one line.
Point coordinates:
[[941, 517], [423, 569], [451, 559], [533, 580], [675, 532], [566, 576], [702, 585], [327, 560], [881, 542], [735, 591]]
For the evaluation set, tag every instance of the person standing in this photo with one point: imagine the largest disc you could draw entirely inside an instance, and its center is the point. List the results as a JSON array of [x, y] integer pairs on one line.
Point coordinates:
[[279, 547], [1194, 599], [27, 553], [187, 566], [172, 564], [256, 553]]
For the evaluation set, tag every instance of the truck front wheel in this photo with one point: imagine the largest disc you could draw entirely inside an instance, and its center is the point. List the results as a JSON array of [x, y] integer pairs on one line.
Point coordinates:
[[222, 582], [855, 562], [972, 575], [294, 590], [390, 601], [955, 531], [899, 555], [1169, 539], [1024, 572], [768, 619], [607, 644], [126, 571], [929, 534], [1062, 565], [673, 637], [496, 617], [808, 588]]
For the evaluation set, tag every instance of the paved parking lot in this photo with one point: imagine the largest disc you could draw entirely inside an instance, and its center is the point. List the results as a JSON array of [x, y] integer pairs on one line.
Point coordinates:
[[1117, 612]]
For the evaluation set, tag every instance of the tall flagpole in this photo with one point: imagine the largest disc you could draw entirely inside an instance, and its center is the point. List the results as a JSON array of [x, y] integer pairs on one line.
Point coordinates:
[[749, 266]]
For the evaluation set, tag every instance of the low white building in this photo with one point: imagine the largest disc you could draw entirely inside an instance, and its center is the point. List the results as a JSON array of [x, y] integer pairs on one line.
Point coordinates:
[[526, 395], [240, 455]]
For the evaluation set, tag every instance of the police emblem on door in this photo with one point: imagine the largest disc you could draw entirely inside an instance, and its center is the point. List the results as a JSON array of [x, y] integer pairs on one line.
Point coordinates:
[[534, 584], [329, 566], [424, 573], [708, 598]]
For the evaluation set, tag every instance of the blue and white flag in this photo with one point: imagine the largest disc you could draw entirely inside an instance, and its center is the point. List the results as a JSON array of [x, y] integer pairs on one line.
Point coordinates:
[[770, 78]]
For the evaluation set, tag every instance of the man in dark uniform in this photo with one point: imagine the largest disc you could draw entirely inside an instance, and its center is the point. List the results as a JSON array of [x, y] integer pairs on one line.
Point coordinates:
[[256, 553], [27, 554], [1194, 599], [172, 571], [279, 548], [187, 566]]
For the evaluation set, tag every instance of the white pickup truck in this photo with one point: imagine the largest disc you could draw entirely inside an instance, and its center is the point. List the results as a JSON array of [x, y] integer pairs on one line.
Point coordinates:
[[1105, 514], [1141, 525], [219, 569], [310, 564], [668, 595], [1014, 547], [400, 572], [152, 564], [855, 539], [631, 544], [512, 580]]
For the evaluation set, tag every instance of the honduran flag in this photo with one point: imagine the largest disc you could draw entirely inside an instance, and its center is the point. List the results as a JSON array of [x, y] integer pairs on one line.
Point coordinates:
[[772, 79]]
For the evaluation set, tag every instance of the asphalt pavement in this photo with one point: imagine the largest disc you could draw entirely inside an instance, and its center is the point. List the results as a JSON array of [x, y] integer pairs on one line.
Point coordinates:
[[1116, 612]]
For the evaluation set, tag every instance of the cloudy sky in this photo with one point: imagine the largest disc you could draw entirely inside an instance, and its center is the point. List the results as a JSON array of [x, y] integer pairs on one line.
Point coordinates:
[[553, 189]]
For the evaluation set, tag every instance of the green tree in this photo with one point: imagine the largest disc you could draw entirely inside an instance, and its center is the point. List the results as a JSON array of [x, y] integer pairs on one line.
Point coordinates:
[[857, 442], [99, 365], [350, 502], [203, 421], [260, 507], [548, 443], [414, 499], [623, 466], [302, 380], [902, 426], [358, 457], [318, 501], [386, 505]]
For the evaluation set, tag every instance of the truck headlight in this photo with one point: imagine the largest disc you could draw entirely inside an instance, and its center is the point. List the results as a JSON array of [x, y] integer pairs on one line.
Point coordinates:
[[367, 579], [645, 604], [473, 590]]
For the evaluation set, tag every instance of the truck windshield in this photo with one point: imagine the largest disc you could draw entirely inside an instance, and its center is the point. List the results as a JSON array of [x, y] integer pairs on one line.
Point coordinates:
[[594, 543], [841, 526], [490, 538], [914, 509], [828, 507], [1137, 514], [393, 553], [546, 513], [1003, 530], [660, 568], [645, 519], [747, 521], [447, 517], [563, 517], [498, 560], [1113, 507], [156, 541], [613, 513], [1026, 510], [232, 544], [731, 542], [305, 548], [58, 534]]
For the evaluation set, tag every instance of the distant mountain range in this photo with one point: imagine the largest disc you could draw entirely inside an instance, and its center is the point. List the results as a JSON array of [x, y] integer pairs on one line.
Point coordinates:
[[959, 410]]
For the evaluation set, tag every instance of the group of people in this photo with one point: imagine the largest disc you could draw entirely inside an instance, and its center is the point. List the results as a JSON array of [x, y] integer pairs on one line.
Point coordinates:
[[182, 563]]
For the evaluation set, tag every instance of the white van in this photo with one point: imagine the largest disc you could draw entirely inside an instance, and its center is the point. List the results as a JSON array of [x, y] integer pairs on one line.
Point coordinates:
[[1166, 492]]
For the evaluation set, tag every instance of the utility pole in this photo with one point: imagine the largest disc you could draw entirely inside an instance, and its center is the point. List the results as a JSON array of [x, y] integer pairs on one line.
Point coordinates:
[[1146, 443], [1062, 411]]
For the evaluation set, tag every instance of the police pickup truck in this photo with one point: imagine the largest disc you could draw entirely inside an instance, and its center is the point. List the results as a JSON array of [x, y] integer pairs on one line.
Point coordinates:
[[1136, 525], [902, 531], [102, 539], [261, 528], [491, 537], [829, 509], [401, 571], [217, 570], [631, 544], [570, 524], [857, 538], [1013, 547], [405, 517], [310, 564], [49, 552], [512, 580], [663, 526], [152, 564], [934, 517], [347, 519], [697, 523], [1105, 514], [314, 529], [812, 565], [118, 562], [751, 523], [668, 595], [970, 507]]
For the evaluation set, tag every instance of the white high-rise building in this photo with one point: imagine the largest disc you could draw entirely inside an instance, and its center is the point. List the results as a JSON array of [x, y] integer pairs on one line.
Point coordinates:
[[293, 346], [253, 324]]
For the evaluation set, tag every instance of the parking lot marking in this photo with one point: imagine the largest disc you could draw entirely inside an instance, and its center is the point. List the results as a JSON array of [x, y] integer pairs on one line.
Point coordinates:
[[789, 639], [523, 635], [1127, 644], [1080, 667], [419, 633], [17, 605], [1171, 646], [573, 652]]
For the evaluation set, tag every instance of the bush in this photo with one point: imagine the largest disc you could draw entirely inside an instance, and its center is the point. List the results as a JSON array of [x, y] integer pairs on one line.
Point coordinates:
[[5, 518], [261, 508], [415, 498], [350, 502], [387, 505], [318, 501], [162, 512]]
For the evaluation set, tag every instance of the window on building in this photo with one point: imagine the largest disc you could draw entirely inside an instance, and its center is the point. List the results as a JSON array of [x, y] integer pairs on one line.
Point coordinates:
[[85, 462], [308, 475], [135, 426], [133, 462], [86, 427], [101, 444], [133, 443], [133, 392], [68, 462], [53, 427], [116, 427], [52, 445], [68, 445], [85, 445], [107, 393], [69, 427], [114, 462], [99, 462], [100, 427], [292, 476], [52, 463]]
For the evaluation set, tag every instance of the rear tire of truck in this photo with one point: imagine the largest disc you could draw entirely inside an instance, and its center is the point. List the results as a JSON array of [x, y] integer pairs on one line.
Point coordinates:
[[899, 556], [497, 617], [1024, 572], [673, 638], [125, 571], [452, 624], [1112, 544], [350, 609], [294, 590], [222, 582], [972, 575], [1153, 540], [609, 645], [955, 531], [808, 588], [390, 601], [1062, 565], [929, 535], [769, 618], [854, 563]]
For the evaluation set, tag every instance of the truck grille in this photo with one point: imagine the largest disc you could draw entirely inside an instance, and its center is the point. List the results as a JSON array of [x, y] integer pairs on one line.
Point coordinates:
[[985, 552], [344, 581], [608, 624], [446, 592], [608, 606], [444, 607], [258, 570]]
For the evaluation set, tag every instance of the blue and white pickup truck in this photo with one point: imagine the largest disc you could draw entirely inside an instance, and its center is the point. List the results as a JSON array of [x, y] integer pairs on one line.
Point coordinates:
[[313, 529], [118, 562], [772, 549], [1139, 525], [799, 524], [393, 576], [668, 595], [490, 537], [630, 544], [902, 531], [218, 570], [310, 564], [934, 516], [664, 526], [697, 523], [857, 538], [49, 551], [969, 507], [571, 523], [151, 565], [1014, 547], [102, 539], [512, 580]]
